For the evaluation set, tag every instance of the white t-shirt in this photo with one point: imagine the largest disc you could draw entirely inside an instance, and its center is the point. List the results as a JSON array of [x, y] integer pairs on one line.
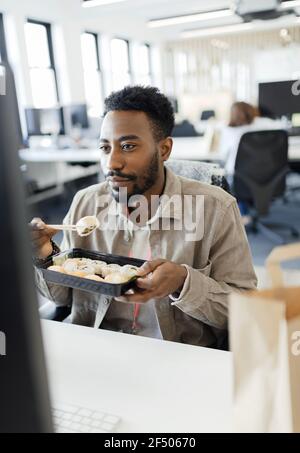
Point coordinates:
[[231, 136], [120, 315]]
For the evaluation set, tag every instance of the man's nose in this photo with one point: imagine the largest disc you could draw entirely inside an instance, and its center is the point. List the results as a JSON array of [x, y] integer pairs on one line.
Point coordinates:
[[115, 160]]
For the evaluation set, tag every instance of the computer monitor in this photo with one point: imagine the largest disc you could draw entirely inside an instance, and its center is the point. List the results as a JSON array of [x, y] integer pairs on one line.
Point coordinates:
[[44, 121], [76, 116], [276, 99], [24, 398]]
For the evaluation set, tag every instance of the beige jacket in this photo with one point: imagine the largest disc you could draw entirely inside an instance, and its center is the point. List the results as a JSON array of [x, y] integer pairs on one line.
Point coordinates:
[[217, 264]]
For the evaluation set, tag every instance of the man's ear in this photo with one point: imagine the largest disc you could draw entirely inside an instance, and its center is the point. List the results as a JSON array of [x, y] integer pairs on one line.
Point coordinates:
[[165, 147]]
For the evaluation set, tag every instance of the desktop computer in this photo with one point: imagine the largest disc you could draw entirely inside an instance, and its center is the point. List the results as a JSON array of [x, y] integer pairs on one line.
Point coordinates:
[[24, 399], [24, 395], [76, 116], [44, 121]]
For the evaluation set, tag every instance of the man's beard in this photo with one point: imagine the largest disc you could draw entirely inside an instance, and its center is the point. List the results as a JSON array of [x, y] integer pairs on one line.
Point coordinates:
[[149, 179]]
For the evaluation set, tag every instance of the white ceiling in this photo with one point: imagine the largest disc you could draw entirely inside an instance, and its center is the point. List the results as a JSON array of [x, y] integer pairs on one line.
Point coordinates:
[[133, 15], [127, 19]]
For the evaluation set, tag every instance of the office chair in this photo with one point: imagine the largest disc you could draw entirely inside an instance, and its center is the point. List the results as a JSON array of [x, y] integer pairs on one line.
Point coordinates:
[[209, 173], [260, 177], [184, 129], [294, 169], [207, 114]]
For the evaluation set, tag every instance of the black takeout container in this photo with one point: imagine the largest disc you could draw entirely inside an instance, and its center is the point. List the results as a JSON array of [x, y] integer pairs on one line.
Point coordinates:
[[70, 281]]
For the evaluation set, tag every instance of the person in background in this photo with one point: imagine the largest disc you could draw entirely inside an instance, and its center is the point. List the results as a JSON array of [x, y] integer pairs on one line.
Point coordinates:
[[244, 118]]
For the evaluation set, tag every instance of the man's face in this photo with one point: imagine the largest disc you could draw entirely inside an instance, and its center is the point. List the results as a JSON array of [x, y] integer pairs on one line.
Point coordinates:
[[130, 156]]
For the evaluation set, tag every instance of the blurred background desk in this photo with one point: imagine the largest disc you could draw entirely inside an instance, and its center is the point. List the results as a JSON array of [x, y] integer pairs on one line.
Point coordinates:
[[51, 168]]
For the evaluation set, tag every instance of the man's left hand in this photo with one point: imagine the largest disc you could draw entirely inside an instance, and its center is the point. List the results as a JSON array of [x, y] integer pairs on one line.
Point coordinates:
[[157, 279]]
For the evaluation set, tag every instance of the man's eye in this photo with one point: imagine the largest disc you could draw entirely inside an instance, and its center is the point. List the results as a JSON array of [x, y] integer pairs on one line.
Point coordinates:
[[105, 148], [128, 147]]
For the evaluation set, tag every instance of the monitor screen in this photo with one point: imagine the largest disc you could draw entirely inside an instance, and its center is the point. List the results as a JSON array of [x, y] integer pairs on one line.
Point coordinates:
[[44, 121], [276, 99], [76, 116]]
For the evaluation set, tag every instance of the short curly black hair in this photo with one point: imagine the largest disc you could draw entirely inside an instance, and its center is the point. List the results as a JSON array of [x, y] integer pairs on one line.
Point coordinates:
[[146, 99]]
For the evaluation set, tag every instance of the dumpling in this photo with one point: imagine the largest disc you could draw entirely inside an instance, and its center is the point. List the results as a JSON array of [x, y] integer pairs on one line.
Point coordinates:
[[109, 269], [78, 266], [116, 277], [96, 278], [70, 265], [129, 270], [56, 269], [99, 265], [77, 274]]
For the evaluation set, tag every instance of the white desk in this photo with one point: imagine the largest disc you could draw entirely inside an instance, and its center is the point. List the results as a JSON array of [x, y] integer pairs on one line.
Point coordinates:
[[60, 155], [197, 148], [153, 385], [193, 148], [62, 171]]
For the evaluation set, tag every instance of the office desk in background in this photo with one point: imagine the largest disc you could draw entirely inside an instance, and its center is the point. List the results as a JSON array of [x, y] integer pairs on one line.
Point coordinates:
[[153, 385], [190, 148]]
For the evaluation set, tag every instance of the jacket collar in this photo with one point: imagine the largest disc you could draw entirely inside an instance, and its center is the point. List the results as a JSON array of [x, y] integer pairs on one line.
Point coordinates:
[[168, 207]]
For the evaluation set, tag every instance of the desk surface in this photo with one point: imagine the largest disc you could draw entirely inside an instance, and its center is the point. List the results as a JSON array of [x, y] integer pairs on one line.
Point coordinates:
[[153, 385]]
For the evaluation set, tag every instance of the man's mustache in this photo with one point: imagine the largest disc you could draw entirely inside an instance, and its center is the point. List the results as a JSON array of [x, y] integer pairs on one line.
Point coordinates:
[[119, 174]]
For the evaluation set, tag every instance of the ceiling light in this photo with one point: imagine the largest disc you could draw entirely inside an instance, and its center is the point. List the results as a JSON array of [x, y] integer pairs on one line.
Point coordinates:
[[196, 17], [92, 3], [217, 30]]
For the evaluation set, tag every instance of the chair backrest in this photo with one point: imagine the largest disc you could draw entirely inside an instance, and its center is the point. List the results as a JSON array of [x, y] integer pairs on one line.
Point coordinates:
[[199, 171], [261, 160], [207, 114], [184, 129]]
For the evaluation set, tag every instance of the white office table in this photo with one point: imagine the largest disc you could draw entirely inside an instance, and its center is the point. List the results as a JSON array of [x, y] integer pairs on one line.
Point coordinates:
[[153, 385], [191, 148], [60, 155]]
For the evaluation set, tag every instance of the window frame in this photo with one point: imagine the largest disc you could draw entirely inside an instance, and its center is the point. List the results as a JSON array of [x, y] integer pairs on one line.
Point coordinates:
[[128, 44], [150, 73], [52, 66], [97, 37]]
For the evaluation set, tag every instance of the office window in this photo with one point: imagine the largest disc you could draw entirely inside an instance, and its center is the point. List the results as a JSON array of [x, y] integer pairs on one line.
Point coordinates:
[[92, 74], [142, 64], [120, 61], [41, 64]]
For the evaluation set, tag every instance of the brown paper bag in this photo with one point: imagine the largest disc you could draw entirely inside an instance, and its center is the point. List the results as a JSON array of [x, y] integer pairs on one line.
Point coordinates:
[[265, 341]]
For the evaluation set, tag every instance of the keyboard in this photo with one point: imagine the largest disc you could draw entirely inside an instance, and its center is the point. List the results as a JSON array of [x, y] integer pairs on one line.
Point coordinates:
[[75, 419]]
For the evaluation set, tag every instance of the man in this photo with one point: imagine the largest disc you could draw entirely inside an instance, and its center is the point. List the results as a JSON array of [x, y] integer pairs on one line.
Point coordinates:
[[182, 292]]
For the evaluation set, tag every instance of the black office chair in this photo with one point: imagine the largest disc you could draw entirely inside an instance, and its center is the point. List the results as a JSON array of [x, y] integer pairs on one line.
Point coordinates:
[[295, 170], [260, 177], [185, 129], [207, 114]]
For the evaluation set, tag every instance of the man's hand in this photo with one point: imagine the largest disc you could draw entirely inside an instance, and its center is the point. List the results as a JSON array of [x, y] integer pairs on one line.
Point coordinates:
[[41, 238], [157, 279]]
